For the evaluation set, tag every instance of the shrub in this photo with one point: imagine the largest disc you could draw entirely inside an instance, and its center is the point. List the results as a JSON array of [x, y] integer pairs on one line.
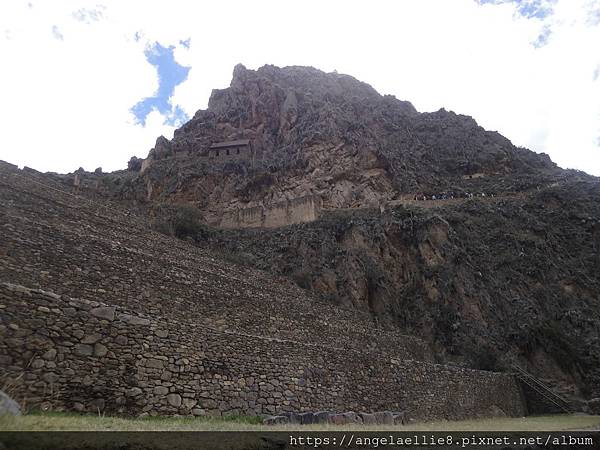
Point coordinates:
[[181, 221]]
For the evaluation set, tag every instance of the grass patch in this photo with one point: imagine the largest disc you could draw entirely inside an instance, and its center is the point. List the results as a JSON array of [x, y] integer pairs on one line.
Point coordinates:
[[53, 421]]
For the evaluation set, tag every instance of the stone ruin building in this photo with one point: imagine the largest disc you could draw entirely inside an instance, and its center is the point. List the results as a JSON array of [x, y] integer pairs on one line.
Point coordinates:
[[231, 150]]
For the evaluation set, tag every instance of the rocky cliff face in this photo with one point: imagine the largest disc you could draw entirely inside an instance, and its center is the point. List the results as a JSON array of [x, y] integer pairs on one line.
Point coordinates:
[[327, 135], [487, 281]]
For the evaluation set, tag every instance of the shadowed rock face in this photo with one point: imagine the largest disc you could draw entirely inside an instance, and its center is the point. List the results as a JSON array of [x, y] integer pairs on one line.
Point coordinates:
[[489, 283]]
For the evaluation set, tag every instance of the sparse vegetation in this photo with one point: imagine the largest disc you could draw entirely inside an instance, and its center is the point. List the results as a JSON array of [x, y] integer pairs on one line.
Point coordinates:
[[181, 221], [39, 421]]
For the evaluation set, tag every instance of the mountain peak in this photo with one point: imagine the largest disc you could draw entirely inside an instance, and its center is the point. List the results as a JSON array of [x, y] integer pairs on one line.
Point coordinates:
[[329, 137]]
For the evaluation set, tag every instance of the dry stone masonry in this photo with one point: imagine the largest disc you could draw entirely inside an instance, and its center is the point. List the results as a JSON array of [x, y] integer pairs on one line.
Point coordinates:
[[83, 355], [100, 314]]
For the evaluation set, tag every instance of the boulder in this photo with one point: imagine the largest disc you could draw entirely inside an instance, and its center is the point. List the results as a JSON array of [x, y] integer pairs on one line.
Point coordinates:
[[399, 418], [321, 417], [352, 417], [384, 418], [275, 420], [387, 418], [306, 418], [338, 419], [79, 407], [293, 418], [594, 405], [368, 419], [8, 405]]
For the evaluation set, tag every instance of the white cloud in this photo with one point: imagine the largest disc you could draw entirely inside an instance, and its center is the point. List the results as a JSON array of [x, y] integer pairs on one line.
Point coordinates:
[[66, 103]]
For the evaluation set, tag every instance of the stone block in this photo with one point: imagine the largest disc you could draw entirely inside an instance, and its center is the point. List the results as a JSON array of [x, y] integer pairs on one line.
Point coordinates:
[[161, 390], [134, 392], [387, 418], [78, 407], [306, 418], [155, 363], [352, 417], [78, 334], [91, 338], [174, 400], [50, 377], [189, 403], [49, 355], [368, 419], [37, 364], [399, 418], [320, 416], [134, 320], [104, 312], [84, 350], [338, 419], [100, 350]]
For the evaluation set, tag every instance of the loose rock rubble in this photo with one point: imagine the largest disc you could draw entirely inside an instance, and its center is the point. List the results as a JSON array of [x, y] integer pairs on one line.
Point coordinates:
[[333, 418]]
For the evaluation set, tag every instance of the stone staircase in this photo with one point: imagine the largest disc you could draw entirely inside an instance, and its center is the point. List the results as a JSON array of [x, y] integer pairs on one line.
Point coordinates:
[[540, 397]]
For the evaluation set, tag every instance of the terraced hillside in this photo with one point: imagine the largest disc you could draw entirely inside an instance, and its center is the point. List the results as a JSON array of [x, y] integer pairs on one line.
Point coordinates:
[[100, 313]]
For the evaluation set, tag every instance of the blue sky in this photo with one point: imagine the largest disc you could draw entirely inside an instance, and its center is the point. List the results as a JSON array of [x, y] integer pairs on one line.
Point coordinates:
[[102, 79], [170, 74], [531, 9], [539, 9]]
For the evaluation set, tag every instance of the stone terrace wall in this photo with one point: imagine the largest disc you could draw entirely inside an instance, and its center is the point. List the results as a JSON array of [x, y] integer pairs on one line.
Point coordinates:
[[69, 353], [298, 210], [65, 244]]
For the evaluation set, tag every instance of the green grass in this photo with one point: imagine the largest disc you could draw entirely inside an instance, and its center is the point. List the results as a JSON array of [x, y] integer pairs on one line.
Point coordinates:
[[39, 421]]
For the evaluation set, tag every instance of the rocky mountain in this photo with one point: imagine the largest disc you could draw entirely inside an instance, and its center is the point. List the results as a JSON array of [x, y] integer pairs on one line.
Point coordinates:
[[327, 135], [488, 251]]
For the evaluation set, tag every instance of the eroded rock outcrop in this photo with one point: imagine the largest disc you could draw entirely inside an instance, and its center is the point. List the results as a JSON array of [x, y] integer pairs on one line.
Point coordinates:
[[327, 135]]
